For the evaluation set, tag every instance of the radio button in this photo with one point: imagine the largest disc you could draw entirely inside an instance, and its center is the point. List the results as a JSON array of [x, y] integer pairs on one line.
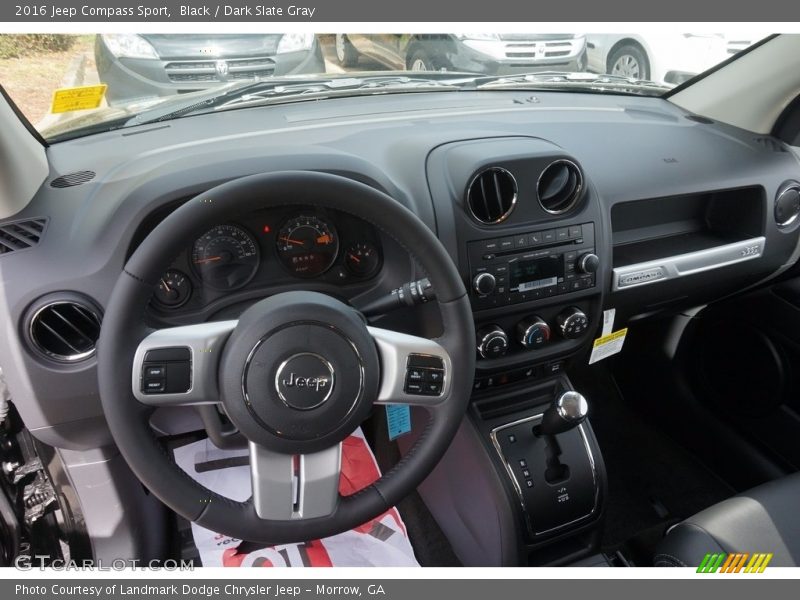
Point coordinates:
[[506, 244], [574, 232], [484, 283], [549, 236], [535, 238], [562, 235], [489, 246]]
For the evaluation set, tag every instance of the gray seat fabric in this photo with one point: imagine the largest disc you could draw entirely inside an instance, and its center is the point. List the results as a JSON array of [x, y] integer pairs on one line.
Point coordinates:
[[764, 519]]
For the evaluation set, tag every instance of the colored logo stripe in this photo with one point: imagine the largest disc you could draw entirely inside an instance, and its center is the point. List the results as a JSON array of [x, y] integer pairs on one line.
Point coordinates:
[[735, 563]]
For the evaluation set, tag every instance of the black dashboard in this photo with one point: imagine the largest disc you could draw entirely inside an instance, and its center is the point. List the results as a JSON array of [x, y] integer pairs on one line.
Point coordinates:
[[554, 207]]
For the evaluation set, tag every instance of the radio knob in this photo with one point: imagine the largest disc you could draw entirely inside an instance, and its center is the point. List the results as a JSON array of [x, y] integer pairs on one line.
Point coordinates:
[[588, 263], [572, 322], [533, 332], [484, 283], [492, 341]]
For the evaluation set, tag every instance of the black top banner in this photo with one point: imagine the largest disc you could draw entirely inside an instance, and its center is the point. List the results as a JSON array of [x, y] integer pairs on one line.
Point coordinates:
[[396, 11]]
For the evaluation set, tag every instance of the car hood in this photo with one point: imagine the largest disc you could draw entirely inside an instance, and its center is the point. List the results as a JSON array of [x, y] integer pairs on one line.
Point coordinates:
[[195, 46], [534, 37]]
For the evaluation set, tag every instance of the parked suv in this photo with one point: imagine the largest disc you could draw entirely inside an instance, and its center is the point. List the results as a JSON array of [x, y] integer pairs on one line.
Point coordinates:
[[143, 66], [491, 53]]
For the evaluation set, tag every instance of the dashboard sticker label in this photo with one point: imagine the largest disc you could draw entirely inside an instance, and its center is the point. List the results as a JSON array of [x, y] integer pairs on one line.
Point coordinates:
[[78, 98], [398, 420], [608, 345], [608, 321]]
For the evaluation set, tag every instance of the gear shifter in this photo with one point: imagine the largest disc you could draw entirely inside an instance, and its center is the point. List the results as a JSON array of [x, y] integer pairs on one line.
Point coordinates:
[[568, 411]]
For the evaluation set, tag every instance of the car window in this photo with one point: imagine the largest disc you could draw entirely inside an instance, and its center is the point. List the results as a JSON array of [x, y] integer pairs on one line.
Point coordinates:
[[72, 85]]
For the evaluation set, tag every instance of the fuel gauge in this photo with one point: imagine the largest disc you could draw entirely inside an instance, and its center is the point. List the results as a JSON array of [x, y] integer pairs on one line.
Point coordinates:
[[362, 259], [174, 289]]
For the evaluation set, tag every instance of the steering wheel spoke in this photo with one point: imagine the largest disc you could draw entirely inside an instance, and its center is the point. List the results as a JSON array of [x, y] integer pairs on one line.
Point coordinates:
[[414, 370], [295, 486], [178, 365]]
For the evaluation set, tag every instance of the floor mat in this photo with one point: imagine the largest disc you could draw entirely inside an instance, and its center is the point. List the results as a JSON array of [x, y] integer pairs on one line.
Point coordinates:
[[652, 481], [380, 542]]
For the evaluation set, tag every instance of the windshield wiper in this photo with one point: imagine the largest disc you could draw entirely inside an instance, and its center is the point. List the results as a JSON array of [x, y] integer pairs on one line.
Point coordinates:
[[264, 92], [561, 79]]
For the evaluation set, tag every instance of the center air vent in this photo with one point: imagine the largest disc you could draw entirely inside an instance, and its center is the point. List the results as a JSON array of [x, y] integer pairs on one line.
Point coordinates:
[[491, 195], [559, 187], [65, 330]]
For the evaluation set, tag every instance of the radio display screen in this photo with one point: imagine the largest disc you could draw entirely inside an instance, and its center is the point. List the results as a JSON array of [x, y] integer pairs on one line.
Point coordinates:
[[527, 275]]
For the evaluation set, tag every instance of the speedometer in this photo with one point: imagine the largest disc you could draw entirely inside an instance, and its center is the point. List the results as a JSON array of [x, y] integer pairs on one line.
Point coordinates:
[[225, 257], [307, 245]]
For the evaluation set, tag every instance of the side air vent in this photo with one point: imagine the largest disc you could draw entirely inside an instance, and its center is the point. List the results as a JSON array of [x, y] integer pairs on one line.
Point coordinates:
[[492, 195], [787, 204], [72, 179], [65, 330], [559, 187], [21, 235]]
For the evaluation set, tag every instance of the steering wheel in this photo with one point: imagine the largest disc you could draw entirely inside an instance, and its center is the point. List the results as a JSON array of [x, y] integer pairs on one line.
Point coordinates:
[[296, 374]]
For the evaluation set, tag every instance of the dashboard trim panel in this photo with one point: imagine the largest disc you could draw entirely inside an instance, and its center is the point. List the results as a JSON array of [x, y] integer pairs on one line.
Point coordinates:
[[681, 265]]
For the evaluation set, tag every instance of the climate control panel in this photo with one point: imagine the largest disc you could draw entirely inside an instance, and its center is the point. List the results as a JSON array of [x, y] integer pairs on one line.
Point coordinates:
[[531, 333]]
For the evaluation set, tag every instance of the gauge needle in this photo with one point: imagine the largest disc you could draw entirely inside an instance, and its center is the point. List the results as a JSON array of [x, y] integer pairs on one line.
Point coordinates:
[[208, 259], [355, 258], [289, 240], [166, 286]]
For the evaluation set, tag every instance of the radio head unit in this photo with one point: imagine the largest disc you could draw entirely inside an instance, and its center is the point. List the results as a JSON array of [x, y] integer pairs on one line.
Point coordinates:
[[533, 265]]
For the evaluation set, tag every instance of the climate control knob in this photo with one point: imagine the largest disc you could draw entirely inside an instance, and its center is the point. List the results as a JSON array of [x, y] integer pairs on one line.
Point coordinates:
[[492, 341], [572, 322], [484, 283], [533, 332], [588, 263]]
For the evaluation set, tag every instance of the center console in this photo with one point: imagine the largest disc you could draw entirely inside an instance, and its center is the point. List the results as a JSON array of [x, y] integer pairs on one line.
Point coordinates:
[[534, 252]]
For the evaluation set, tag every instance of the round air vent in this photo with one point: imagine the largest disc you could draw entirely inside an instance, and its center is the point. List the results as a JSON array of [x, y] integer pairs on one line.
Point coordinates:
[[491, 195], [65, 330], [559, 187], [787, 204]]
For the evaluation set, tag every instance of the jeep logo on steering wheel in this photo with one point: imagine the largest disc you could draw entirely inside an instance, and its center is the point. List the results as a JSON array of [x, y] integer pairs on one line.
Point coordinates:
[[304, 381]]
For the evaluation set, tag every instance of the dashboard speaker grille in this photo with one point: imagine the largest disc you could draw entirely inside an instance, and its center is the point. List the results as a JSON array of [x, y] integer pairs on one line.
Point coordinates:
[[492, 195], [72, 179], [65, 330], [20, 235], [559, 187]]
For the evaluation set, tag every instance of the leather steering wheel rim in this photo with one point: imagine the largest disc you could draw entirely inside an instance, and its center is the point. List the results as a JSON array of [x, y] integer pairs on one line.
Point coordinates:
[[123, 329]]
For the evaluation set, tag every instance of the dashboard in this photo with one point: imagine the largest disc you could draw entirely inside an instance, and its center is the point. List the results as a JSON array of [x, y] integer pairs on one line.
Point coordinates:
[[554, 206]]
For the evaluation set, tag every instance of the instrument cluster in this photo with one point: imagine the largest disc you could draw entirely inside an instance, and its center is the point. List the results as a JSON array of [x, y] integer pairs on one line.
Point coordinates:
[[271, 248]]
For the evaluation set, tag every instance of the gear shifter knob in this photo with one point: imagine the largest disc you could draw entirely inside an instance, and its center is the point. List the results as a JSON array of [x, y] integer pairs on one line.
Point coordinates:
[[568, 411]]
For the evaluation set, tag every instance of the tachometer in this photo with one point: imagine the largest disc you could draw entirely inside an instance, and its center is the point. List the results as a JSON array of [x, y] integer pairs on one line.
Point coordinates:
[[225, 257], [307, 245]]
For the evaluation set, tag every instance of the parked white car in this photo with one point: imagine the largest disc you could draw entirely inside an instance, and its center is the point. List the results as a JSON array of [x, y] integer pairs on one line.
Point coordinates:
[[669, 58]]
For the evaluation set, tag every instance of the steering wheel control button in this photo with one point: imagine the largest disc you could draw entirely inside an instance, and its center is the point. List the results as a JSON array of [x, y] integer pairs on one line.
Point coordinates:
[[424, 375], [304, 381], [167, 371], [155, 372], [533, 332], [572, 323], [154, 386]]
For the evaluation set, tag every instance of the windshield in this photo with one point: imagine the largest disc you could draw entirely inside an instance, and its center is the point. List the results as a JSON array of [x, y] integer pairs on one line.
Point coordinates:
[[73, 85]]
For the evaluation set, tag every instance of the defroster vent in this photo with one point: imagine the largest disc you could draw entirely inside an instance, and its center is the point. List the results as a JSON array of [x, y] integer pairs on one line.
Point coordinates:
[[21, 235]]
